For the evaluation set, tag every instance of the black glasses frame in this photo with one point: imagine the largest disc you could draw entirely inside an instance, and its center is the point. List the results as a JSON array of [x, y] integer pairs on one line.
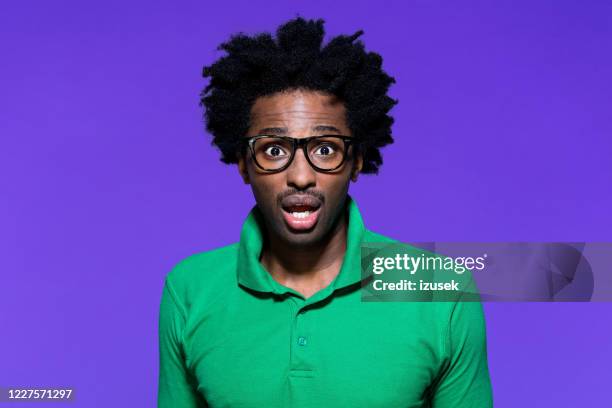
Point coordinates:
[[297, 144]]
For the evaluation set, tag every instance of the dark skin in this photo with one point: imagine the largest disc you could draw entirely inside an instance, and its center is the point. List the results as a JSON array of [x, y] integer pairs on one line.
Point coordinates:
[[306, 261]]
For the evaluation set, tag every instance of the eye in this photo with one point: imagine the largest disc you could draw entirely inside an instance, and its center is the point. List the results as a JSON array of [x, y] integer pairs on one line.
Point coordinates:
[[274, 151], [325, 149]]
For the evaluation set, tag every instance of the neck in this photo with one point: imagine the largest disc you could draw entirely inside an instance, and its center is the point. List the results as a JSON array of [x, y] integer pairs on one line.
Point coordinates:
[[307, 269]]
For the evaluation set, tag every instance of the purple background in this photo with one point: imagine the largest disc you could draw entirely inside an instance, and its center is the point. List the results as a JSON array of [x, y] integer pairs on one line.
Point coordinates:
[[108, 179]]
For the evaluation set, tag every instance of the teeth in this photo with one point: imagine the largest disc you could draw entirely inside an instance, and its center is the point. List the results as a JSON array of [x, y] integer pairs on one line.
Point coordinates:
[[303, 214]]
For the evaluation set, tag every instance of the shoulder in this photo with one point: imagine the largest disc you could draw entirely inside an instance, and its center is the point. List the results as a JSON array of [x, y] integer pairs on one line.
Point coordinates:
[[371, 236], [445, 305], [203, 273]]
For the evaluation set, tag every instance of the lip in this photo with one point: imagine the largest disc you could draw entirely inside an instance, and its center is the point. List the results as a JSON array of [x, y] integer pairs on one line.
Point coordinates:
[[301, 224], [297, 200], [301, 203]]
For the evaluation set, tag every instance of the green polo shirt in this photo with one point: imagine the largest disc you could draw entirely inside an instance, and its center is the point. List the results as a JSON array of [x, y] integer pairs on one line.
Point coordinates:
[[231, 336]]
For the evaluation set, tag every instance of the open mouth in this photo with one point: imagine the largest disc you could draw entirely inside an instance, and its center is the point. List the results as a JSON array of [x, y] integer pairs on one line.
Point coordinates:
[[301, 213]]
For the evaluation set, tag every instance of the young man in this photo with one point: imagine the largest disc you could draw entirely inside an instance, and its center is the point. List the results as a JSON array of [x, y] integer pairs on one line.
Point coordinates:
[[276, 319]]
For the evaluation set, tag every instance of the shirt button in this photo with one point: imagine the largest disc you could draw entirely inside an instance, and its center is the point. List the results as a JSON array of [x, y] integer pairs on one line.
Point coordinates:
[[302, 341]]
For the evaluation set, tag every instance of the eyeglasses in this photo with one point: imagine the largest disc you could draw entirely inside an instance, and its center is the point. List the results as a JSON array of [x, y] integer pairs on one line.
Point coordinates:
[[275, 153]]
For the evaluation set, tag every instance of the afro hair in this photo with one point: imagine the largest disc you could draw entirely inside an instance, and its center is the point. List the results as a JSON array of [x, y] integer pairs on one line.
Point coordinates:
[[261, 65]]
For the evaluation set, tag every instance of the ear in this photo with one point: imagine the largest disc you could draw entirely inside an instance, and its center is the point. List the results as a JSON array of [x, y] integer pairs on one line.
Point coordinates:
[[357, 165], [242, 168]]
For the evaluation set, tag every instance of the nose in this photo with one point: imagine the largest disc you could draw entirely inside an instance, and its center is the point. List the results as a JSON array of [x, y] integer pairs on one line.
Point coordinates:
[[300, 175]]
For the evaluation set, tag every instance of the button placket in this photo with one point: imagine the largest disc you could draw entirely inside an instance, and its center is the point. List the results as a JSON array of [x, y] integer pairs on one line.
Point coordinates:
[[300, 340]]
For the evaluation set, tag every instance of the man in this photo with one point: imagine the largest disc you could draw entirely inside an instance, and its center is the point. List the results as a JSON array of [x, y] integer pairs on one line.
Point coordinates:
[[276, 319]]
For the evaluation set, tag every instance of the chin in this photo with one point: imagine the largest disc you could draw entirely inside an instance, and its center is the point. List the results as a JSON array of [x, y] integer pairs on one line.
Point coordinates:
[[301, 238]]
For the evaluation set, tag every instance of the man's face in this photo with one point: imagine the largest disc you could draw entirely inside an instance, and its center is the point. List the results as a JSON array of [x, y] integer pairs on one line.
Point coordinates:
[[300, 205]]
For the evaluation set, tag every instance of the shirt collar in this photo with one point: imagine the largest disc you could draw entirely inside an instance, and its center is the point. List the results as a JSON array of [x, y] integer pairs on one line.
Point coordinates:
[[252, 274]]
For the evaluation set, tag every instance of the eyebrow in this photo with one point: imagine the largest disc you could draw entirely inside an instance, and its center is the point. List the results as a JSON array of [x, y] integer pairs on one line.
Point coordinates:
[[283, 130]]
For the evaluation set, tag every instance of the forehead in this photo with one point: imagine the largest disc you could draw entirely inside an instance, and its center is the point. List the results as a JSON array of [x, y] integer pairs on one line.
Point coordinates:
[[298, 110]]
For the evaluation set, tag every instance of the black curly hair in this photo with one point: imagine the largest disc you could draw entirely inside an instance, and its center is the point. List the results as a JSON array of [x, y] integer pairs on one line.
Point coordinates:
[[260, 65]]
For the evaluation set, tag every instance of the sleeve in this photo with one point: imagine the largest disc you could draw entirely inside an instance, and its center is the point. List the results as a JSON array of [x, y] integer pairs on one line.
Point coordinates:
[[464, 381], [176, 386]]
